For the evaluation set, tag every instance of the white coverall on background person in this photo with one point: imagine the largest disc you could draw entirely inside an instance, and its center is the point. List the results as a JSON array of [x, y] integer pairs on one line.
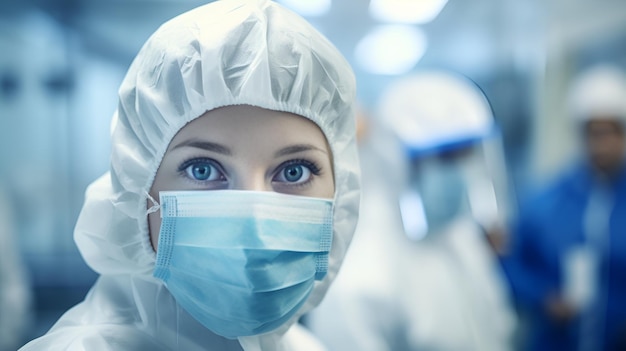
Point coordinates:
[[406, 286]]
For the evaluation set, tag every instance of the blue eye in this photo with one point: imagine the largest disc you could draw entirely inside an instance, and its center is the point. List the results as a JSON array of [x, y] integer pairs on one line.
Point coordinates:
[[294, 173], [202, 171]]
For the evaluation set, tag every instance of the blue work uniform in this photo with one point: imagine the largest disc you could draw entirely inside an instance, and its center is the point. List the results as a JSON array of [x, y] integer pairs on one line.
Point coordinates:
[[549, 226]]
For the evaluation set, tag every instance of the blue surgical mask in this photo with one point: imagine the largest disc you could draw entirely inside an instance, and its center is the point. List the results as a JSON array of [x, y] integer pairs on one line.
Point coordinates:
[[442, 189], [242, 262]]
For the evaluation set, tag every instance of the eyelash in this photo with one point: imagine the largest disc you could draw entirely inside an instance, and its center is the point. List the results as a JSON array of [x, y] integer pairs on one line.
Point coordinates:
[[313, 167], [182, 169]]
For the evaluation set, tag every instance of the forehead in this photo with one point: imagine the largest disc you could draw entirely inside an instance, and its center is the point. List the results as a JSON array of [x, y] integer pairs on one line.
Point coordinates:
[[253, 126], [604, 124]]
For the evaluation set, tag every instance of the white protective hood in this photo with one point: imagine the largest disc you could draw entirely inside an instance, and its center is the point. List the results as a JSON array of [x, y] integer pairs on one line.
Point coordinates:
[[229, 52]]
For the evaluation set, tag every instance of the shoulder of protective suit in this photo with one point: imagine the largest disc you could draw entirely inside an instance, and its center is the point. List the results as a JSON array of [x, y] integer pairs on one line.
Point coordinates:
[[94, 337], [300, 338]]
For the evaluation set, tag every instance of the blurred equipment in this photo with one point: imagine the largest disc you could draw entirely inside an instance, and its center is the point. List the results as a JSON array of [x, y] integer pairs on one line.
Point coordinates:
[[36, 84], [15, 294]]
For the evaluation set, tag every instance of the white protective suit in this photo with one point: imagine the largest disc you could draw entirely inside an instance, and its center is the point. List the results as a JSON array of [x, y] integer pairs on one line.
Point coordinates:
[[228, 52], [394, 292]]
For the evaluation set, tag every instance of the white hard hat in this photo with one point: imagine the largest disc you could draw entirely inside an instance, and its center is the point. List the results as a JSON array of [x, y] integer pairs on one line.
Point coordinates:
[[436, 110], [599, 91]]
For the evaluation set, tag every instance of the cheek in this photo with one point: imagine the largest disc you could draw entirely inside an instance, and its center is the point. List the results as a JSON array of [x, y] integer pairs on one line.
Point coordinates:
[[607, 146], [331, 187], [326, 188], [154, 227], [619, 145]]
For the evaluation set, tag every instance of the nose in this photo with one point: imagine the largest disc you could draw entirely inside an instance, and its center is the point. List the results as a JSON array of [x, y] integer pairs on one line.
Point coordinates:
[[252, 180]]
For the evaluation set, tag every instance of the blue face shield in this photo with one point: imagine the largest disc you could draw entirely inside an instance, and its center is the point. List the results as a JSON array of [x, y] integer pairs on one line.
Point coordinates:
[[442, 188], [242, 262], [437, 196]]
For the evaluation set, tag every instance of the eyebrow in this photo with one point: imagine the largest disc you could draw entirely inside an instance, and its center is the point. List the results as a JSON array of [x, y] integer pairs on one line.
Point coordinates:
[[293, 149], [205, 145]]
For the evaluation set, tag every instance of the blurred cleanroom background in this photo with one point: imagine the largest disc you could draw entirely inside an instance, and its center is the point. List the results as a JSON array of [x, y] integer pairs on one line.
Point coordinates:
[[61, 62]]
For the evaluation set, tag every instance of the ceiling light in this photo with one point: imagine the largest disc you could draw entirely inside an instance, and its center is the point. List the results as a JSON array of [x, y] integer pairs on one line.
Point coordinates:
[[406, 11], [308, 8], [391, 49]]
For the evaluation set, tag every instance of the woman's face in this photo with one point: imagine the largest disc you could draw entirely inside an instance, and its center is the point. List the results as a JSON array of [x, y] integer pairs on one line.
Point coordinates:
[[245, 148]]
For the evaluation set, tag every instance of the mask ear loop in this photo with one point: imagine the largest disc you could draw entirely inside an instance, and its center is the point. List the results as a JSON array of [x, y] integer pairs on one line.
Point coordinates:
[[154, 208], [178, 326], [155, 205]]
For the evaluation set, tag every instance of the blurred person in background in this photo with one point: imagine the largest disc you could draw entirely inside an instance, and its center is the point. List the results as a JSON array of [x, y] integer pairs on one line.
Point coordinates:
[[568, 255], [15, 293], [422, 274], [238, 116]]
